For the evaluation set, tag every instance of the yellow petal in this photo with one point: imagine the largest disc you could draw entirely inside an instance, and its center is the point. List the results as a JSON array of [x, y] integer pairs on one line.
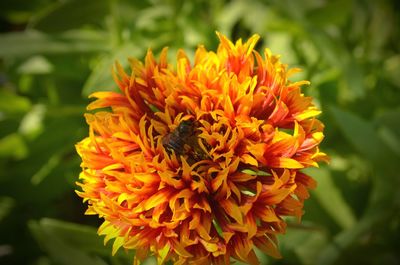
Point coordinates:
[[180, 249], [118, 242], [248, 159], [284, 162], [232, 209], [163, 253]]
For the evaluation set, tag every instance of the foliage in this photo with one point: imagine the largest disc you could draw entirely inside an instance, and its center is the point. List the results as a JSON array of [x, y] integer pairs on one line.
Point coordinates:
[[54, 53]]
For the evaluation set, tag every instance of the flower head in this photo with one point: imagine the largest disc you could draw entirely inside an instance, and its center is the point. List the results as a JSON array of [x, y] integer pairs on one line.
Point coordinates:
[[198, 163]]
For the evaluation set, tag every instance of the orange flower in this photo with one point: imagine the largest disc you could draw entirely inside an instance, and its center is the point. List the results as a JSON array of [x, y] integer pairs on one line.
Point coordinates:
[[198, 164]]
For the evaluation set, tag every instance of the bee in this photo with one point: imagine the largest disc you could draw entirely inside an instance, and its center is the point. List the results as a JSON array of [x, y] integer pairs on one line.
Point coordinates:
[[184, 140]]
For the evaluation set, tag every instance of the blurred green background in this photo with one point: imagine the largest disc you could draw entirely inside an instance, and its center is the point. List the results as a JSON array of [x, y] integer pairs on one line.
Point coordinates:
[[54, 53]]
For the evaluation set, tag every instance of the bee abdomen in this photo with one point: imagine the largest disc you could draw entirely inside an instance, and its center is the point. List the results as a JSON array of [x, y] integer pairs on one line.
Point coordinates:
[[177, 144]]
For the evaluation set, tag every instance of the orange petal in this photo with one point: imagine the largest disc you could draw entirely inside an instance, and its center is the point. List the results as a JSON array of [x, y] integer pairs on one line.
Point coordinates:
[[284, 162], [232, 209], [268, 246]]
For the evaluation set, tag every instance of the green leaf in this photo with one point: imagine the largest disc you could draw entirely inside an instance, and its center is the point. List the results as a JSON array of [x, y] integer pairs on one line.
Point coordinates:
[[46, 169], [51, 236], [305, 243], [328, 47], [353, 87], [230, 15], [383, 202], [101, 78], [390, 119], [32, 123], [255, 172], [280, 43], [343, 240], [331, 199], [331, 49], [11, 103], [150, 18], [15, 44], [6, 204], [82, 237], [13, 145], [392, 69], [18, 12], [70, 14], [36, 65], [390, 138], [361, 135], [334, 12]]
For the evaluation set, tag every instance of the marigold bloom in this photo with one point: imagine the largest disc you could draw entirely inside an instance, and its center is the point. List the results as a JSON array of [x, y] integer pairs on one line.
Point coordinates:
[[198, 164]]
